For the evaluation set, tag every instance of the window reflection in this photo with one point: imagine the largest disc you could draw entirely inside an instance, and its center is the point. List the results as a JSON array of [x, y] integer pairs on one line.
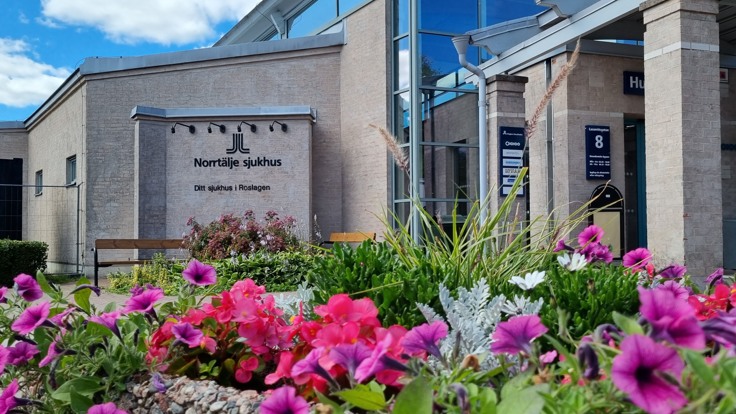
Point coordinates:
[[312, 18], [457, 16]]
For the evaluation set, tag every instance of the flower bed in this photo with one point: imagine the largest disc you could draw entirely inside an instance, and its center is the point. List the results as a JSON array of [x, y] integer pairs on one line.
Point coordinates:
[[578, 335]]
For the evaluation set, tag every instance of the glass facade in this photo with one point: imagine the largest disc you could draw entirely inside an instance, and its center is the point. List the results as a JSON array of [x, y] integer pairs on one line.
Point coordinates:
[[435, 111]]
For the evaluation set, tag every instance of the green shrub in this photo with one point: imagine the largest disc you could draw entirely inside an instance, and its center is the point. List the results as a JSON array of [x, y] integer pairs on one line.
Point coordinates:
[[373, 270], [587, 297], [279, 272], [18, 257]]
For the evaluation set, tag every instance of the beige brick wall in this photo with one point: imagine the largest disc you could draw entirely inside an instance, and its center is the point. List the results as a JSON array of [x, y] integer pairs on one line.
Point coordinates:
[[683, 129], [294, 78], [52, 216], [591, 95], [363, 84]]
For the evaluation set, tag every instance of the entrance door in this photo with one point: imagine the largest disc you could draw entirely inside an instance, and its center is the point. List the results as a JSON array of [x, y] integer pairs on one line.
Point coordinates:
[[635, 214], [11, 199]]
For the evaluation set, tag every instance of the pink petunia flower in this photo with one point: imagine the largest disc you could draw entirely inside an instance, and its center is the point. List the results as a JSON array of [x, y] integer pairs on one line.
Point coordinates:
[[378, 361], [672, 320], [673, 271], [7, 398], [106, 408], [21, 353], [284, 401], [53, 352], [637, 259], [4, 358], [680, 292], [425, 338], [349, 356], [638, 370], [108, 320], [143, 302], [27, 287], [3, 292], [516, 334], [199, 274], [31, 318], [187, 334], [590, 235]]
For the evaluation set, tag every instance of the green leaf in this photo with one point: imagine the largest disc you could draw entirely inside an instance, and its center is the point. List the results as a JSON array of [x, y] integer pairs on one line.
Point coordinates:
[[336, 408], [525, 401], [487, 401], [696, 362], [628, 325], [80, 403], [362, 397], [82, 297], [415, 398], [83, 386], [44, 284], [516, 384]]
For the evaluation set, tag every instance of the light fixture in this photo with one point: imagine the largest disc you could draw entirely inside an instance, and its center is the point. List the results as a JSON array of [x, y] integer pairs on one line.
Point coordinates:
[[191, 127], [252, 126], [222, 127], [283, 126]]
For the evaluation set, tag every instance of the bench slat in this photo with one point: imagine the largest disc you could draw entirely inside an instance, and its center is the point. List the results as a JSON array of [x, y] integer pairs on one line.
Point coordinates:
[[355, 237], [104, 244]]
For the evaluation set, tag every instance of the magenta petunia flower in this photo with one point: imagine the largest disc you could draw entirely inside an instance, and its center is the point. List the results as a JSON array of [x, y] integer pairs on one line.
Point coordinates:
[[673, 271], [108, 320], [7, 398], [424, 338], [199, 274], [3, 292], [590, 235], [95, 289], [350, 356], [638, 370], [378, 361], [637, 258], [561, 245], [31, 318], [598, 253], [721, 328], [144, 301], [4, 358], [516, 334], [188, 334], [715, 278], [284, 401], [21, 353], [672, 320], [27, 287], [53, 352], [680, 292], [106, 408]]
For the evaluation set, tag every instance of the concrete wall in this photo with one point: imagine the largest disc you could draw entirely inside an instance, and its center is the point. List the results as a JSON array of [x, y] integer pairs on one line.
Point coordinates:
[[52, 216], [364, 99], [292, 78]]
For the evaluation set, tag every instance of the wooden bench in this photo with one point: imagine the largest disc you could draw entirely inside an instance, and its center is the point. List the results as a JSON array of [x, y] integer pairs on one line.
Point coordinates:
[[355, 237], [119, 244]]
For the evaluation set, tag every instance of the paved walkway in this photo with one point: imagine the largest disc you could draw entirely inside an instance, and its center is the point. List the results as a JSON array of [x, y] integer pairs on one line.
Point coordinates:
[[105, 297]]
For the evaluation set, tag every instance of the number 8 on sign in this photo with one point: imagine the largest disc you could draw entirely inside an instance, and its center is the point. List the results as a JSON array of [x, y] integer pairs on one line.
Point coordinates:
[[599, 141]]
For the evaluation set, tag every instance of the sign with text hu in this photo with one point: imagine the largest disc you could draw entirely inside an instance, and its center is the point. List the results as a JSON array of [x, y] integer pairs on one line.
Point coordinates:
[[597, 152], [511, 158], [633, 83]]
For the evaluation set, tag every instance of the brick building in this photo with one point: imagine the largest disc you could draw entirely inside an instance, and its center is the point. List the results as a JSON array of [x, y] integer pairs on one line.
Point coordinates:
[[277, 116]]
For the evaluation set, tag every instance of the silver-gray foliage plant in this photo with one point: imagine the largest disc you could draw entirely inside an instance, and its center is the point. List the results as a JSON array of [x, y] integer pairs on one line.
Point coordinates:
[[472, 318]]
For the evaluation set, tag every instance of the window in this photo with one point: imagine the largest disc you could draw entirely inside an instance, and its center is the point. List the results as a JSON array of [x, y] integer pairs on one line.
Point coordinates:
[[39, 182], [71, 170]]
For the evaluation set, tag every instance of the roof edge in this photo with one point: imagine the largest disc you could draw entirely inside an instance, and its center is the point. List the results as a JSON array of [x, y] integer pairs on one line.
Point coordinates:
[[7, 125], [227, 112]]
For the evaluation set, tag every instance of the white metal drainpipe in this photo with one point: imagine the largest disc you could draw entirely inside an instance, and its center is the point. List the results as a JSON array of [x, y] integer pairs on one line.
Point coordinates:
[[461, 45]]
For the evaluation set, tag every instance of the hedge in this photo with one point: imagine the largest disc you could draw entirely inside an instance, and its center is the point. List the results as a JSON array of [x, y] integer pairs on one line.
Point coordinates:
[[21, 257]]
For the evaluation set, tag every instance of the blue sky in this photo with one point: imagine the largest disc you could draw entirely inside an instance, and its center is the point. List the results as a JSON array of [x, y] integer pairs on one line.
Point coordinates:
[[43, 41]]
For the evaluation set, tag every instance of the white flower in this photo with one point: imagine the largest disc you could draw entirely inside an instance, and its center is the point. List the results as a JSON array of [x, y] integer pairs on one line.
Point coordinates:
[[577, 261], [529, 281]]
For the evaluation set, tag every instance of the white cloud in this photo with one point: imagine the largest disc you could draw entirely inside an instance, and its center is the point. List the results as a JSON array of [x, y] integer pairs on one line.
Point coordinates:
[[23, 18], [164, 22], [23, 80]]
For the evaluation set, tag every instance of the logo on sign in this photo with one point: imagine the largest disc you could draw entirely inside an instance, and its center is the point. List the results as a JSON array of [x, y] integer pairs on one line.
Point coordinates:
[[238, 145]]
